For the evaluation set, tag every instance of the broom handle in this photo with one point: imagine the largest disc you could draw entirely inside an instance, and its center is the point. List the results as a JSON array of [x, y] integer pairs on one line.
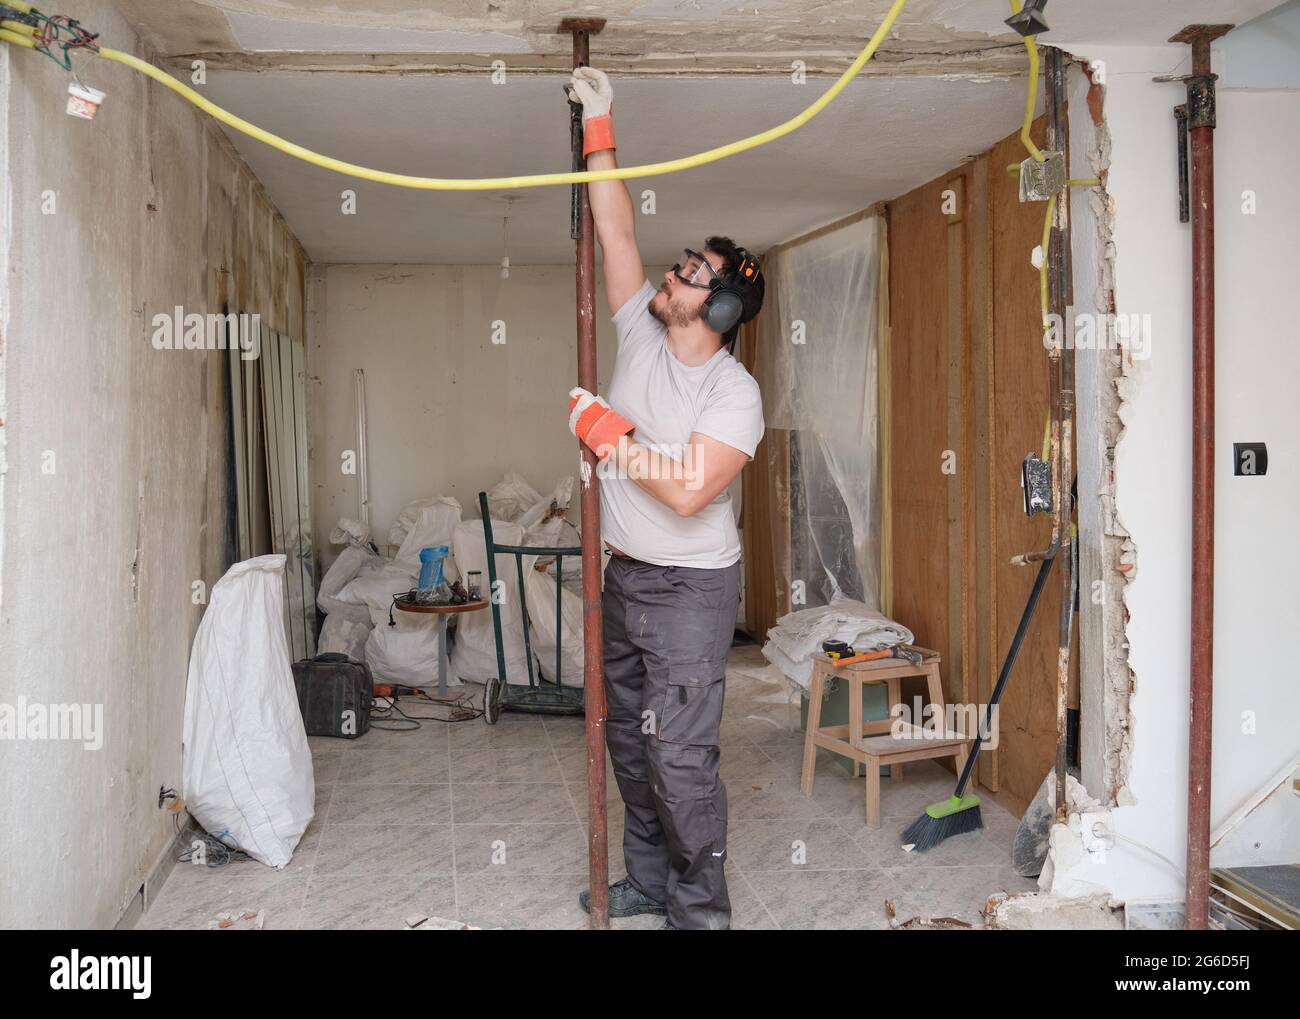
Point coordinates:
[[1043, 570]]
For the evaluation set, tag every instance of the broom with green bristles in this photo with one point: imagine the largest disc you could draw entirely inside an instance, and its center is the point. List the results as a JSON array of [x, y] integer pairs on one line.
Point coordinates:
[[961, 813]]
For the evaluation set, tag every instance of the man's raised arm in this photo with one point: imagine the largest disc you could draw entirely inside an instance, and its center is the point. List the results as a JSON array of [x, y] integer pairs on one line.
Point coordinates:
[[611, 204]]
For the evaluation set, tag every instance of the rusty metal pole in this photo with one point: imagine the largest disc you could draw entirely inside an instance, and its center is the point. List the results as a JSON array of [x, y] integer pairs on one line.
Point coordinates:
[[1058, 263], [1200, 122], [593, 664]]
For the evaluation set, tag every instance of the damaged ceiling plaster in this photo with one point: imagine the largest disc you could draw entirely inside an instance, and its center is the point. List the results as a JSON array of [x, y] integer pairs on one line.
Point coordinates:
[[758, 35], [650, 36]]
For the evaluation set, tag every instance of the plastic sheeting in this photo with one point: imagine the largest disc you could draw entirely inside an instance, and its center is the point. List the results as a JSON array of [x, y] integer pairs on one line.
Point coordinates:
[[818, 342]]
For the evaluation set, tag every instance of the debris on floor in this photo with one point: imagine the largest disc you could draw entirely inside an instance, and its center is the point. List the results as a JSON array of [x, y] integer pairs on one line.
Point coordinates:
[[1034, 911], [420, 922], [248, 920], [918, 923]]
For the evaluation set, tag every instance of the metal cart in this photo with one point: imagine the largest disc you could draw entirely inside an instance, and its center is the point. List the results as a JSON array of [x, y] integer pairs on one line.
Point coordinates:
[[538, 696]]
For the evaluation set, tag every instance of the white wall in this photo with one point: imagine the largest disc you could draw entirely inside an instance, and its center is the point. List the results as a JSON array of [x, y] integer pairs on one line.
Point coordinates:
[[1256, 557], [113, 486], [448, 410]]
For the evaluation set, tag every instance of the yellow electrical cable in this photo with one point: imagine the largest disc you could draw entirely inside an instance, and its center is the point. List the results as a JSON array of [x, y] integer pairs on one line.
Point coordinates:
[[1031, 46], [16, 39], [503, 183], [20, 6]]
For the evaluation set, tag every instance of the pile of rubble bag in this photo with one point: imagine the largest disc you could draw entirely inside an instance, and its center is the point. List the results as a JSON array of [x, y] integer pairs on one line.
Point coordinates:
[[356, 593]]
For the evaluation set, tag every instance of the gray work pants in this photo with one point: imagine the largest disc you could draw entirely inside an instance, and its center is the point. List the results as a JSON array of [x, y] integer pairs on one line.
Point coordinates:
[[667, 633]]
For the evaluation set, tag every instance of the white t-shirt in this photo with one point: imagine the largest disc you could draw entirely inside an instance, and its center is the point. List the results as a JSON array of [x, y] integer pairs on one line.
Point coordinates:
[[667, 401]]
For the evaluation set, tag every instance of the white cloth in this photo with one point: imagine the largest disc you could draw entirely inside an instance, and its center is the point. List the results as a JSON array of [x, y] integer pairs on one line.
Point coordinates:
[[667, 401], [796, 636]]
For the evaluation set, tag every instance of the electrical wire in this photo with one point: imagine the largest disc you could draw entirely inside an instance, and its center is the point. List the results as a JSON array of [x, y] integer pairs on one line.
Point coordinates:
[[462, 710], [1031, 47], [1107, 830], [215, 852], [501, 183]]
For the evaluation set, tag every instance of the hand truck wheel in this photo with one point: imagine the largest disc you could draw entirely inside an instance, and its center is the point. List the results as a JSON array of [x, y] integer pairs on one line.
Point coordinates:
[[492, 700]]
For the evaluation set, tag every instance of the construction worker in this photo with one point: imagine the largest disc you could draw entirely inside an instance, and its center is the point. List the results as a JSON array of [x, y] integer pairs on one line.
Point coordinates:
[[682, 418]]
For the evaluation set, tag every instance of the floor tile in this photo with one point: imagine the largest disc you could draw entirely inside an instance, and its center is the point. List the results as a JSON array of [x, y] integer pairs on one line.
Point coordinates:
[[505, 764], [385, 849], [824, 899], [521, 902], [487, 824], [394, 767], [507, 850], [481, 802], [193, 895], [390, 804], [817, 844], [374, 902]]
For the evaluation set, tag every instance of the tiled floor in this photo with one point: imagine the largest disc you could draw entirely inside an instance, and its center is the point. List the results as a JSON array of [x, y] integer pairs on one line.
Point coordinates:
[[486, 824]]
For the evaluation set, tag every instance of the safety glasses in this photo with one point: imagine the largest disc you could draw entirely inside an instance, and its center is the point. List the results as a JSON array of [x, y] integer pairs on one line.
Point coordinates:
[[695, 271]]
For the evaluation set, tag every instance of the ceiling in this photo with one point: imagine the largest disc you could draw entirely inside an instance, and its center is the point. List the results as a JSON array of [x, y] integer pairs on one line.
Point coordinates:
[[642, 27], [882, 137], [404, 86]]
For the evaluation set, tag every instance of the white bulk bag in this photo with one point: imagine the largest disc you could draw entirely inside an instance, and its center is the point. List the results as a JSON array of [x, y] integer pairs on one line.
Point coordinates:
[[474, 651], [247, 770], [428, 523], [541, 613], [511, 496], [406, 653], [374, 589], [351, 563], [343, 635]]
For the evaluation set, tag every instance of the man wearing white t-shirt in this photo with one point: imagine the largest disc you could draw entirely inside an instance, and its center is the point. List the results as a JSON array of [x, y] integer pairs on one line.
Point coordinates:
[[682, 418]]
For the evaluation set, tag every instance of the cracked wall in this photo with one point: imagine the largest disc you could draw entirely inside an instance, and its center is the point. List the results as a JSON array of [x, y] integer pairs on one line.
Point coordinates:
[[1107, 555]]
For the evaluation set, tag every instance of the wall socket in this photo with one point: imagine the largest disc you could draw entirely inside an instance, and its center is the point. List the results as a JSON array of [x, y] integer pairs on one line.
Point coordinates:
[[1091, 824]]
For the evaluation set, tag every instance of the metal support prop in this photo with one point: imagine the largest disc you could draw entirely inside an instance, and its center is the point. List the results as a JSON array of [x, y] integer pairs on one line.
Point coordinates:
[[1058, 265], [1200, 123], [593, 666]]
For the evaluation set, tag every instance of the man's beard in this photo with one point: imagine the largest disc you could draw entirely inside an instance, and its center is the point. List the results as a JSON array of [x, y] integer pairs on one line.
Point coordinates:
[[673, 315]]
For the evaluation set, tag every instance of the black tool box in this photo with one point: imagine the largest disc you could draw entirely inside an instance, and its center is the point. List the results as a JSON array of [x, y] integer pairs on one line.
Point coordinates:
[[334, 695]]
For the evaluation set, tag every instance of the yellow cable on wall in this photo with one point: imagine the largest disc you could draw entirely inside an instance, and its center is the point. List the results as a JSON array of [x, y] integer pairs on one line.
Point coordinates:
[[501, 183], [1031, 46]]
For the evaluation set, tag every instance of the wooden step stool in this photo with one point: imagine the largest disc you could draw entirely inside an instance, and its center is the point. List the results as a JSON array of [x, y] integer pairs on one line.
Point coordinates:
[[871, 743]]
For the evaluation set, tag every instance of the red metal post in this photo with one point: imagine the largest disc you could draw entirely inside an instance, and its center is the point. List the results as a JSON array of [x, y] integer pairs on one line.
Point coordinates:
[[1201, 121], [593, 663]]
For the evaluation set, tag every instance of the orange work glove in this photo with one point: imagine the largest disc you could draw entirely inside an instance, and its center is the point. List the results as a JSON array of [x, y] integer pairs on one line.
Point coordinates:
[[595, 422]]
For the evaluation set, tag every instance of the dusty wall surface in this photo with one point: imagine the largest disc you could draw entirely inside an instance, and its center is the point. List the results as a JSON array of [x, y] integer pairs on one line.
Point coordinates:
[[1101, 362], [448, 410], [1254, 689], [115, 458]]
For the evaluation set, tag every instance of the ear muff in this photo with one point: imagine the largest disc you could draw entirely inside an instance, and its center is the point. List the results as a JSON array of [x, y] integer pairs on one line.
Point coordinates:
[[723, 309], [726, 305]]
